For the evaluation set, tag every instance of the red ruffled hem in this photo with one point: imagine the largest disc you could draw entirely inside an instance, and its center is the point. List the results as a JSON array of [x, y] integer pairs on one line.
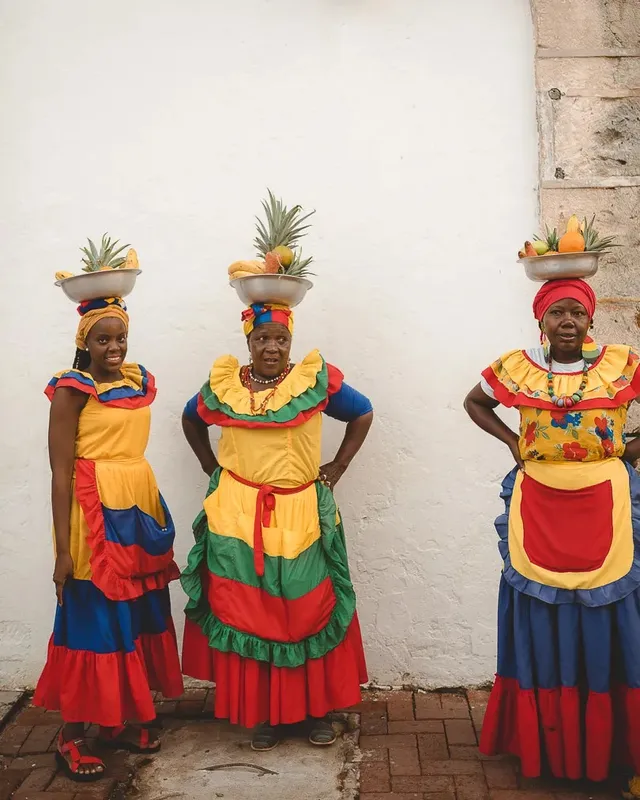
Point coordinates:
[[580, 736], [110, 689], [250, 692]]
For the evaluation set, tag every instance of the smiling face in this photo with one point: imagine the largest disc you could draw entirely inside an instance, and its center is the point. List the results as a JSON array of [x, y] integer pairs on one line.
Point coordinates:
[[270, 346], [566, 325], [107, 345]]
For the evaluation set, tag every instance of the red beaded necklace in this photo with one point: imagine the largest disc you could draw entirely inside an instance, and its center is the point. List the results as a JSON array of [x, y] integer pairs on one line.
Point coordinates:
[[245, 379]]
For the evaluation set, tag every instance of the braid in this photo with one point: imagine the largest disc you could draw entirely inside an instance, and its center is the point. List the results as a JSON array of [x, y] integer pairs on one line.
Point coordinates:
[[82, 360]]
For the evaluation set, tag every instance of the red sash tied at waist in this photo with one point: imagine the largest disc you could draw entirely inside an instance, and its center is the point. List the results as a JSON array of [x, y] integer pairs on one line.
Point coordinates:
[[265, 504]]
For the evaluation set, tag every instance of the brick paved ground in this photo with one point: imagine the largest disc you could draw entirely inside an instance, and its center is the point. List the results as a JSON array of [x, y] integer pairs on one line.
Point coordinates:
[[415, 746], [418, 746]]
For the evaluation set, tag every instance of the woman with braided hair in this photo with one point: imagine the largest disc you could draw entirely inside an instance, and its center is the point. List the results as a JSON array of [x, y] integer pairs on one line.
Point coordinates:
[[113, 641]]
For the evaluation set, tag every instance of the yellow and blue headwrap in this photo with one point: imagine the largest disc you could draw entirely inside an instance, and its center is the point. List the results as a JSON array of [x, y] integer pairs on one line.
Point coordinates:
[[92, 311], [262, 313]]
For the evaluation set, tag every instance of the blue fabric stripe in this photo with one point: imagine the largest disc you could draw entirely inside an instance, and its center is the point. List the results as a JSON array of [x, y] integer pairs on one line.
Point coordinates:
[[569, 643], [129, 526], [118, 393], [87, 620], [122, 392], [77, 376], [546, 646], [602, 595], [347, 404], [191, 408]]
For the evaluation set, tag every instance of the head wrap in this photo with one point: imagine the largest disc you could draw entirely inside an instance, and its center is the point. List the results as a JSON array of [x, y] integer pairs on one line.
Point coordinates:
[[92, 311], [553, 291], [262, 313]]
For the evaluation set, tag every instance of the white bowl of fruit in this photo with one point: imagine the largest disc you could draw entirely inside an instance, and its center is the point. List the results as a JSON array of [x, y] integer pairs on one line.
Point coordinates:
[[575, 254]]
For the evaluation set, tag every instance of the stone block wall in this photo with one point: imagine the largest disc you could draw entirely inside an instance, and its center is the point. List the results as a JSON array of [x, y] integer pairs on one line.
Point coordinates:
[[588, 96]]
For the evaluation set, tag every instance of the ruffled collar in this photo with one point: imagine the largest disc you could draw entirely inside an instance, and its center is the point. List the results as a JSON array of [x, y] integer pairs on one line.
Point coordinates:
[[225, 384], [135, 389], [612, 380]]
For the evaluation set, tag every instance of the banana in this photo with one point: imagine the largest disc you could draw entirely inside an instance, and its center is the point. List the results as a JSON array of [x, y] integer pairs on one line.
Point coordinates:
[[573, 225], [131, 261], [241, 274], [250, 267], [60, 276]]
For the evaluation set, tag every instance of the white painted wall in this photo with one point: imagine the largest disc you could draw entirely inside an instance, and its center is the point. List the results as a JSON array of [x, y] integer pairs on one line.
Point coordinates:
[[410, 126]]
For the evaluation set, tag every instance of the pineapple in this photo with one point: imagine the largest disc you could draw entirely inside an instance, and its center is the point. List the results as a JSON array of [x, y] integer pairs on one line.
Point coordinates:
[[551, 238], [282, 232], [106, 258], [592, 241]]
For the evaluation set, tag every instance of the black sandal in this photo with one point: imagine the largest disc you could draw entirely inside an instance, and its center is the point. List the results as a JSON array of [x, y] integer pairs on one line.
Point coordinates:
[[114, 739], [265, 737], [322, 733]]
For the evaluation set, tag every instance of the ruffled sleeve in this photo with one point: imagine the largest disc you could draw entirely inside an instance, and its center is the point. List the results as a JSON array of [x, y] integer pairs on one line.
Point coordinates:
[[136, 389], [348, 404], [612, 381]]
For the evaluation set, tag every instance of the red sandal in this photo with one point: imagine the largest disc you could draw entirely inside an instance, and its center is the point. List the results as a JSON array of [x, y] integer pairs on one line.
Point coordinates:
[[113, 740], [69, 751]]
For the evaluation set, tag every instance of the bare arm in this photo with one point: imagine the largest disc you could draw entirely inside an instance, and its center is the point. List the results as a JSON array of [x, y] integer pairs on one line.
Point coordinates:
[[66, 406], [632, 450], [481, 408], [197, 435], [354, 437]]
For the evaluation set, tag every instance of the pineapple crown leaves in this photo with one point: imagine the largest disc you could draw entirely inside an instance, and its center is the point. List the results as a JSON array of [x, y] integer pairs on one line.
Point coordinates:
[[106, 257], [299, 267], [592, 240], [550, 237], [284, 227]]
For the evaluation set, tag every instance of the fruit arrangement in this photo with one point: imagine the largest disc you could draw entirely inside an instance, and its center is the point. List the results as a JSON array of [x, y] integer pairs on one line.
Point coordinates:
[[107, 257], [277, 243], [580, 237]]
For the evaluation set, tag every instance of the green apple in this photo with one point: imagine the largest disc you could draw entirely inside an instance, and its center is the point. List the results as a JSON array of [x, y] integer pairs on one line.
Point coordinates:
[[540, 247]]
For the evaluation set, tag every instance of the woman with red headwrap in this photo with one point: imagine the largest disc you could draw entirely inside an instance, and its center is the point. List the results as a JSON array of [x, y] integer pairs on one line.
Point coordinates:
[[272, 616], [568, 679]]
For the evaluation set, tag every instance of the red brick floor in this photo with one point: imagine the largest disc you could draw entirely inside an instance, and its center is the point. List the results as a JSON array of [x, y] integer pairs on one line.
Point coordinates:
[[423, 746], [415, 746]]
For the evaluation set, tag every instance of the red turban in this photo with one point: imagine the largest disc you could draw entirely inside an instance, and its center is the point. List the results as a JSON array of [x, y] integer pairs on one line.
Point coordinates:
[[553, 291]]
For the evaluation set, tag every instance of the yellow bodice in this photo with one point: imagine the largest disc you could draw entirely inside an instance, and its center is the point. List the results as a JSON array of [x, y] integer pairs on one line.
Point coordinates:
[[280, 456], [108, 433]]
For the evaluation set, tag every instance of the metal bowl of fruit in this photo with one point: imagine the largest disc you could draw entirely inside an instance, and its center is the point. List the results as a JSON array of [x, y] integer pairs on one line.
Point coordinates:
[[575, 254], [94, 285], [553, 266], [285, 290]]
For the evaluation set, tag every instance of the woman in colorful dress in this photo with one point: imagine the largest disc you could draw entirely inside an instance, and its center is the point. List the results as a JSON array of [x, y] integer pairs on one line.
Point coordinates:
[[113, 641], [568, 678], [271, 616]]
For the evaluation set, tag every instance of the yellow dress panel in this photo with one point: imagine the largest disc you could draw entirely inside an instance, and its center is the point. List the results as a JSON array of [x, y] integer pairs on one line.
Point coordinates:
[[278, 456], [116, 439]]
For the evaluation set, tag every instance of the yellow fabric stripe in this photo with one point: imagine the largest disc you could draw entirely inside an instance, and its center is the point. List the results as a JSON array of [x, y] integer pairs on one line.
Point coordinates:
[[294, 526], [577, 476], [224, 380], [123, 484]]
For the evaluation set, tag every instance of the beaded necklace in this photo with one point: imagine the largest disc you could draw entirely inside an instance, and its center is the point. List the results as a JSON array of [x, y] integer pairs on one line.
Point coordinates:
[[566, 401], [245, 378]]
